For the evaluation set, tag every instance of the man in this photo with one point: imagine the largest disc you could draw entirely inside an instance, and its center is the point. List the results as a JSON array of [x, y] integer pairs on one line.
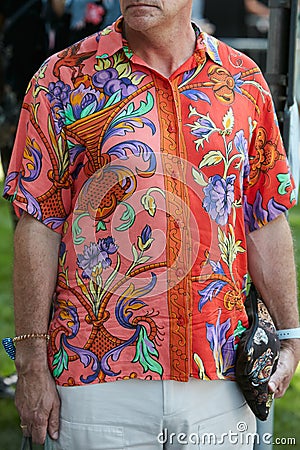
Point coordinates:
[[150, 168]]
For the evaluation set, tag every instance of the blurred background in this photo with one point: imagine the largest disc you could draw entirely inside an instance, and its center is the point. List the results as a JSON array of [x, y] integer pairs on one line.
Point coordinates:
[[31, 30]]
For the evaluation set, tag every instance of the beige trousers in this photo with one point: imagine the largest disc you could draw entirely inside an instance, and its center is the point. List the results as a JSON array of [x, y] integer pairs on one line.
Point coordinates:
[[150, 415]]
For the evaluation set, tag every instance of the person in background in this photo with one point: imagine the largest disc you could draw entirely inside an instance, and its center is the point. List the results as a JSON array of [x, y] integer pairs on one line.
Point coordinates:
[[197, 16], [57, 25], [58, 6], [236, 12], [86, 18], [112, 12], [22, 27], [197, 10], [257, 18], [151, 177], [257, 7], [73, 20], [2, 77]]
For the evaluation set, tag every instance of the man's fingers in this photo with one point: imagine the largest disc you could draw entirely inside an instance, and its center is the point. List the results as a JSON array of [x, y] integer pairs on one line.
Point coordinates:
[[280, 381], [38, 430], [278, 387], [53, 425], [38, 434]]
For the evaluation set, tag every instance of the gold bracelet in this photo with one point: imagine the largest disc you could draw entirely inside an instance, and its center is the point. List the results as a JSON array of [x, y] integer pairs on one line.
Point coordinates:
[[22, 337]]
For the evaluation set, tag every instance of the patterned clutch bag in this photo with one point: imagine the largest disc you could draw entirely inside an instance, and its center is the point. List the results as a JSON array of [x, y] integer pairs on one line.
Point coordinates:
[[257, 356]]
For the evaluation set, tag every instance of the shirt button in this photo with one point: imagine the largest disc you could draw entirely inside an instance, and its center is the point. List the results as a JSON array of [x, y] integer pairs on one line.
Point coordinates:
[[179, 273], [180, 321], [179, 223], [171, 128]]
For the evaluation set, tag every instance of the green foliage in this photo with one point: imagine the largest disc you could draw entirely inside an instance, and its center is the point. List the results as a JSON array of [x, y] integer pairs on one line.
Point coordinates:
[[145, 349], [60, 361]]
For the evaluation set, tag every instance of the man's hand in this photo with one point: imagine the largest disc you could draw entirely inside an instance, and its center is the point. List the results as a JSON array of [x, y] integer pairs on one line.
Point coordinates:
[[287, 364], [38, 404]]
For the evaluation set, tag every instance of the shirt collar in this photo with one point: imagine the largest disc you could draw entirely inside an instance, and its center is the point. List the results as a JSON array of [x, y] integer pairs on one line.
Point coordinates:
[[111, 41]]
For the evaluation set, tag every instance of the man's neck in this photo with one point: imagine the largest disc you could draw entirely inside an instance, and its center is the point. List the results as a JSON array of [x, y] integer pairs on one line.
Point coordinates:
[[163, 50]]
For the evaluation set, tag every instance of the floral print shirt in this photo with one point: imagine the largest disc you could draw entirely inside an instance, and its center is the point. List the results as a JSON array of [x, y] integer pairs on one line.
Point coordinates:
[[153, 184]]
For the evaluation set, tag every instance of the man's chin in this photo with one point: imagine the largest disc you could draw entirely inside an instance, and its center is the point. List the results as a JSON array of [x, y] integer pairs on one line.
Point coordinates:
[[142, 20]]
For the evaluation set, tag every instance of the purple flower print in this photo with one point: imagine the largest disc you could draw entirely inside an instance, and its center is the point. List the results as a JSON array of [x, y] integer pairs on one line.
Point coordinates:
[[95, 255], [108, 245], [221, 346], [238, 82], [256, 215], [145, 240], [58, 97], [241, 145], [85, 101], [110, 81], [58, 93], [146, 234], [123, 84], [214, 286], [103, 76], [219, 196], [62, 249], [204, 128]]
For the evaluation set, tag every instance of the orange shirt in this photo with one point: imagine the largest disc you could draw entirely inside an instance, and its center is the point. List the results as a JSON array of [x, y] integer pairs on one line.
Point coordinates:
[[153, 184]]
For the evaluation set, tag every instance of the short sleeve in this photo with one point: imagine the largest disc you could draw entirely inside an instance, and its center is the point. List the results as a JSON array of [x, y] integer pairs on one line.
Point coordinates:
[[269, 188], [38, 180]]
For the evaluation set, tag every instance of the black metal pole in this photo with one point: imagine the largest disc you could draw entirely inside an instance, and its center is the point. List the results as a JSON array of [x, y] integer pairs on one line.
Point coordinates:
[[278, 54], [287, 119]]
